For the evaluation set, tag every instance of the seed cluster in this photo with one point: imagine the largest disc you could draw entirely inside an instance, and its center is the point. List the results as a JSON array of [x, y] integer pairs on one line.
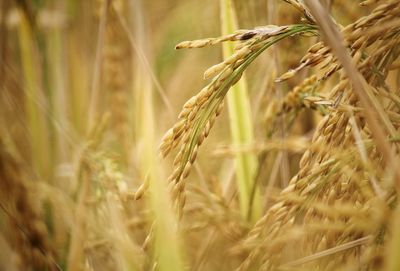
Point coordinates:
[[332, 191], [199, 113], [358, 39]]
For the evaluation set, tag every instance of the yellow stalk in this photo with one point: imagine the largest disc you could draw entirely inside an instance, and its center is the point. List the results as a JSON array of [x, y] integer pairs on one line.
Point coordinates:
[[35, 103], [166, 242], [58, 91]]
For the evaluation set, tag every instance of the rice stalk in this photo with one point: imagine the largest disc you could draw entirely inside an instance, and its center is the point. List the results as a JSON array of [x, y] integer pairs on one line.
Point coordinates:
[[360, 86], [241, 126], [59, 99], [199, 113], [164, 237], [320, 178], [34, 98]]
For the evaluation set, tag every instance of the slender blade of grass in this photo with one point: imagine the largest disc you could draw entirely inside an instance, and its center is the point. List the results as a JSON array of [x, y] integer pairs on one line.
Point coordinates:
[[35, 101], [241, 126], [167, 241]]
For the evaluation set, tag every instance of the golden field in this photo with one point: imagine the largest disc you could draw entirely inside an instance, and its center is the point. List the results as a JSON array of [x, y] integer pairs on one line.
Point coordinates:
[[199, 135]]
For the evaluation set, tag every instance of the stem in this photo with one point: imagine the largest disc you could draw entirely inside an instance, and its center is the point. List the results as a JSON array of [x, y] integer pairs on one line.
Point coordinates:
[[166, 243], [35, 102], [241, 127]]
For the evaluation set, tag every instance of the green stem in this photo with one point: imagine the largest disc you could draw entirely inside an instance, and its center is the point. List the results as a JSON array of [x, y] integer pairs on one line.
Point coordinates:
[[241, 127]]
